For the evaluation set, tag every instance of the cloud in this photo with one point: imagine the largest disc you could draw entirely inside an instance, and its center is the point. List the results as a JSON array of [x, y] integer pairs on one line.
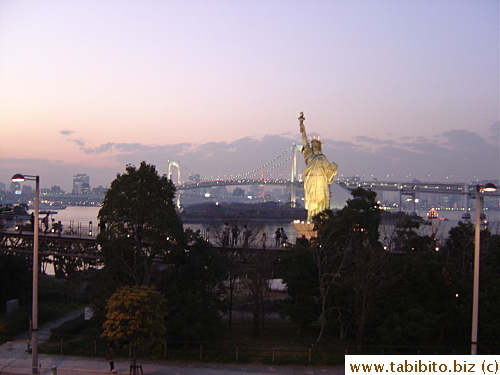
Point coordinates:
[[463, 139], [374, 141], [457, 153], [100, 149], [78, 141], [494, 131]]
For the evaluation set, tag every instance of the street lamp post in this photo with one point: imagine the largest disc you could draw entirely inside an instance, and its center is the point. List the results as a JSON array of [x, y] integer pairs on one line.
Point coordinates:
[[34, 315], [477, 251]]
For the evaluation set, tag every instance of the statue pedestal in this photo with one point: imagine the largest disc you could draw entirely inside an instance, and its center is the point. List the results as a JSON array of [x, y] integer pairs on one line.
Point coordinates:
[[304, 229]]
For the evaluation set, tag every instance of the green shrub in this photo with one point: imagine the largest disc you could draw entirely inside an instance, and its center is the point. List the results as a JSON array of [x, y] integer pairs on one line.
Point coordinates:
[[70, 327], [19, 321], [15, 322]]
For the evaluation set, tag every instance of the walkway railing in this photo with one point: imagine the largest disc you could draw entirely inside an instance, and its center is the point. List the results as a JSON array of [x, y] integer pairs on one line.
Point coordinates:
[[203, 351]]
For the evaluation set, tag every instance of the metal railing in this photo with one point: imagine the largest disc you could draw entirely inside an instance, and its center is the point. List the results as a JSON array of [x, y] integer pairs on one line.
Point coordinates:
[[419, 350], [222, 352], [53, 370]]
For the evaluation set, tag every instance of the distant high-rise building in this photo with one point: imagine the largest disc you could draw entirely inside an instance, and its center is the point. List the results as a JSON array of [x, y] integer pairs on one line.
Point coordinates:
[[100, 190], [56, 190], [81, 184], [238, 192], [27, 189], [14, 186]]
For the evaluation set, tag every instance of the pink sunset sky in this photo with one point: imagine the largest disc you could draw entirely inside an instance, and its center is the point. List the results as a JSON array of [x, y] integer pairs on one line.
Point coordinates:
[[393, 87]]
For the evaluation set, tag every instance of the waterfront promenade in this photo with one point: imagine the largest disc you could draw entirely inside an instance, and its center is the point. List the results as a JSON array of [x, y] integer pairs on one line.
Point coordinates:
[[14, 359]]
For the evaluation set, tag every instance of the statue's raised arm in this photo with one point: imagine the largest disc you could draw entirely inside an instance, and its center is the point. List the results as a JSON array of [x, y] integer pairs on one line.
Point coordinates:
[[318, 174], [305, 143]]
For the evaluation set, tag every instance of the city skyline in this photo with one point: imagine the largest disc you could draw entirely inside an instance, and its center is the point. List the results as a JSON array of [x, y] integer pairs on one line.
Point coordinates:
[[236, 188], [396, 90], [341, 178]]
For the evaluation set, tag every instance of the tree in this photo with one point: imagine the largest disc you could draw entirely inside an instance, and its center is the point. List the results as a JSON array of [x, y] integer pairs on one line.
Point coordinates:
[[348, 242], [489, 329], [327, 279], [406, 237], [369, 275], [135, 315], [356, 223], [15, 277], [300, 274], [235, 268], [258, 269], [196, 291], [140, 225], [459, 249], [423, 309]]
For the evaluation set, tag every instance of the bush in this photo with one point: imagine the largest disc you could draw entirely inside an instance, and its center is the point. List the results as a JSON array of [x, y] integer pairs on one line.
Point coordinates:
[[15, 322], [70, 327], [19, 321]]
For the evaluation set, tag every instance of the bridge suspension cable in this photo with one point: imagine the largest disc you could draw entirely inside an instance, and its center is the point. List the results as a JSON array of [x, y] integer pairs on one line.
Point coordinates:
[[277, 164], [260, 170]]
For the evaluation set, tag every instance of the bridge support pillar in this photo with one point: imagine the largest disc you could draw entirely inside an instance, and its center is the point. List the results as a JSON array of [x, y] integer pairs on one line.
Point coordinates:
[[293, 175], [401, 201], [466, 198], [178, 166]]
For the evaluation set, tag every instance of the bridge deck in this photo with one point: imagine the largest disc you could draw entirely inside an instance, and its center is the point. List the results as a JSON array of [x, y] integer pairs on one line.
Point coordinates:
[[88, 248], [50, 244]]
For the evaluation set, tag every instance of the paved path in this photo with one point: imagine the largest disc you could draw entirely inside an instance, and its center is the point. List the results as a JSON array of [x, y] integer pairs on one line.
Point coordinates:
[[15, 360]]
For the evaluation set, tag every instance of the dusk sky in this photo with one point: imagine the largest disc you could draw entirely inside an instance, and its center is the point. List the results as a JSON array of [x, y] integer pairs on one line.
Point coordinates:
[[396, 89]]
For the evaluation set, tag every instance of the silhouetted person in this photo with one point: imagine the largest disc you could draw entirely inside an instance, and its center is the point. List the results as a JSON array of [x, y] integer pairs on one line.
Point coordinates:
[[283, 237], [225, 235], [45, 221], [32, 221], [235, 232], [246, 235], [110, 357], [277, 237]]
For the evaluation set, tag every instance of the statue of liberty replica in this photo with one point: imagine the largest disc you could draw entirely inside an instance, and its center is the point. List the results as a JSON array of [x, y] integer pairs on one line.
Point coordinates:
[[318, 174]]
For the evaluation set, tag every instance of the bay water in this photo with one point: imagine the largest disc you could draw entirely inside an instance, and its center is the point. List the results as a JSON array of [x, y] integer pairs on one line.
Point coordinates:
[[82, 215]]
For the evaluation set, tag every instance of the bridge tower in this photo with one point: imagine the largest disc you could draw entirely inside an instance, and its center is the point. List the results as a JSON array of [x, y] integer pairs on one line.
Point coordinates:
[[412, 194], [293, 176], [176, 164], [466, 197]]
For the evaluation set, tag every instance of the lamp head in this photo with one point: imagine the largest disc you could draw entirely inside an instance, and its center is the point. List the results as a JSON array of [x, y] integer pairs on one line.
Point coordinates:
[[18, 178], [489, 187]]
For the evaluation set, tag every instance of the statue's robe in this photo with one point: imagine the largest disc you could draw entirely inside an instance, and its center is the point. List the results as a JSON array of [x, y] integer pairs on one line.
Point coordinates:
[[318, 174]]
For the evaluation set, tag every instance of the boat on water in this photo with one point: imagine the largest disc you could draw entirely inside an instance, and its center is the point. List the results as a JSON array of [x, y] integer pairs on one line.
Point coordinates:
[[432, 214]]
